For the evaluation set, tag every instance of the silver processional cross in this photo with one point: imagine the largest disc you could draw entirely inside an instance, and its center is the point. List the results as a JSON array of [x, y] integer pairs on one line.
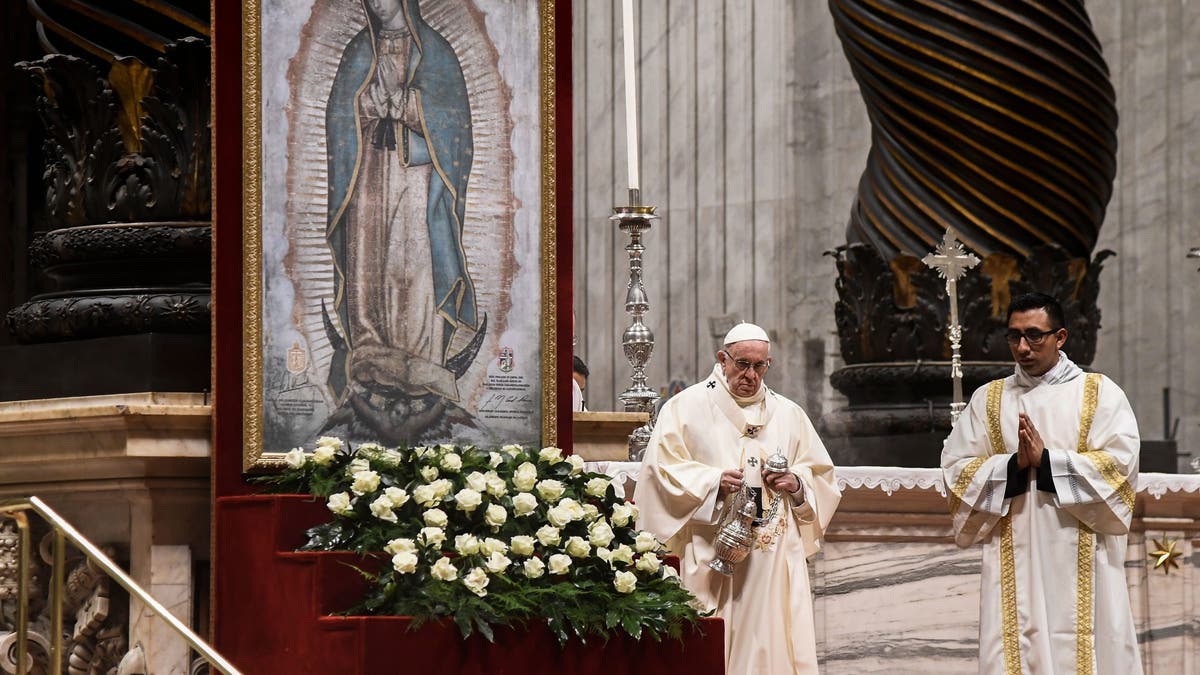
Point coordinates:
[[952, 261]]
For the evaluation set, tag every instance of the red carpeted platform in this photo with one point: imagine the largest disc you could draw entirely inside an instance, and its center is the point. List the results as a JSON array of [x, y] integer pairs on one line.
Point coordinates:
[[273, 607]]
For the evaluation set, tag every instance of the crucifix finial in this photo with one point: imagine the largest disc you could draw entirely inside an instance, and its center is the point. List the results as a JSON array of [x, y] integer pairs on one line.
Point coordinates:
[[950, 259]]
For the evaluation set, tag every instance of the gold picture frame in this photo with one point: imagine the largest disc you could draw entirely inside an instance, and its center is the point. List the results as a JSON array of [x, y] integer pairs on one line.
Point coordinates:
[[261, 252]]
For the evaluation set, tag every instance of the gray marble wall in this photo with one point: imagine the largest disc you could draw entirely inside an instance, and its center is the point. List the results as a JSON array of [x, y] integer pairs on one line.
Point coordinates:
[[753, 140]]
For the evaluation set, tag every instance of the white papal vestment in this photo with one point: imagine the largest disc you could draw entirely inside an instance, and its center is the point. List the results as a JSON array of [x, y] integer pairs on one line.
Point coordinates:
[[1053, 593], [767, 603]]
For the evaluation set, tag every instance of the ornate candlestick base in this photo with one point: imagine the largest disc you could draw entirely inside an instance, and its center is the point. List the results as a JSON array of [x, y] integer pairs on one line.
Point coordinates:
[[638, 340]]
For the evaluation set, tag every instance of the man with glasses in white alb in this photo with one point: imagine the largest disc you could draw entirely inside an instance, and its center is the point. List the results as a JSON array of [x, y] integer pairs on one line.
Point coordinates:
[[1042, 468], [710, 440]]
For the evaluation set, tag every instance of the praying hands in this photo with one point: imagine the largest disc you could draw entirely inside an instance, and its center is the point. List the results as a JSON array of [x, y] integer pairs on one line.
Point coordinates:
[[1030, 445]]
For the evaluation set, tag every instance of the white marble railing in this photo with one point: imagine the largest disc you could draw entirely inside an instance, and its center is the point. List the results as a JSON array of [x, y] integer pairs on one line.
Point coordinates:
[[891, 479]]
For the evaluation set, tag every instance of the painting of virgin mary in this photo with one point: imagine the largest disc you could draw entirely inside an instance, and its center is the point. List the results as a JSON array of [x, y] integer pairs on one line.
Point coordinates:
[[401, 221], [400, 157]]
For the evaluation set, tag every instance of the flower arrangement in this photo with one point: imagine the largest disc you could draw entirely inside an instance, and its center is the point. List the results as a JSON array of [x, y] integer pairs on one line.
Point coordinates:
[[491, 538]]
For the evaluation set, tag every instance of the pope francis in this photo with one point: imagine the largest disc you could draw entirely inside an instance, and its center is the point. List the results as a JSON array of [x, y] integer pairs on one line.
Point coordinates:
[[709, 441]]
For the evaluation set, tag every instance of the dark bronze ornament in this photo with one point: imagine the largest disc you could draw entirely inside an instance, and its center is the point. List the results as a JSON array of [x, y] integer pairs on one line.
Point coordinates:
[[128, 240]]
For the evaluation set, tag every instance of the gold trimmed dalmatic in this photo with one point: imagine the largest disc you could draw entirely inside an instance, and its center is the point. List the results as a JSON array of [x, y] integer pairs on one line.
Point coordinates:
[[767, 603], [1053, 595]]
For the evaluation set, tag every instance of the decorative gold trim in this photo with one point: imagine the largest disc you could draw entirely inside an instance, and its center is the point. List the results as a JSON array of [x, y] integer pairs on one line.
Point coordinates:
[[252, 374], [1103, 461], [254, 458], [964, 479], [1091, 398], [1084, 636], [549, 229], [995, 391], [1008, 599]]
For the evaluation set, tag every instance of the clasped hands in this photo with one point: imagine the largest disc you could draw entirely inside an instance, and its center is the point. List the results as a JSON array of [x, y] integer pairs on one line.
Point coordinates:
[[784, 481], [1030, 445]]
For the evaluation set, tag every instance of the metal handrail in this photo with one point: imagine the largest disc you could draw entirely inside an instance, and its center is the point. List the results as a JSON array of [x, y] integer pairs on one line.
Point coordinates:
[[62, 532]]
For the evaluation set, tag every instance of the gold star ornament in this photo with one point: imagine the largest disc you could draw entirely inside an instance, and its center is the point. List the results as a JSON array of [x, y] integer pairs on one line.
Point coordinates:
[[1165, 555]]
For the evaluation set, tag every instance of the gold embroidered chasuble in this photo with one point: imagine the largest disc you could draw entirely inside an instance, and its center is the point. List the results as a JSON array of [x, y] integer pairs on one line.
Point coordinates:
[[1053, 591], [767, 603]]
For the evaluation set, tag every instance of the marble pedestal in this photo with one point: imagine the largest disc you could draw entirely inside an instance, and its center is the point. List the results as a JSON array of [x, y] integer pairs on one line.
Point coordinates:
[[129, 471]]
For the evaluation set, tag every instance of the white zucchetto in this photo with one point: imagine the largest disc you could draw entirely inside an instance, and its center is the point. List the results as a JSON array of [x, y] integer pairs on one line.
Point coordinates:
[[745, 331]]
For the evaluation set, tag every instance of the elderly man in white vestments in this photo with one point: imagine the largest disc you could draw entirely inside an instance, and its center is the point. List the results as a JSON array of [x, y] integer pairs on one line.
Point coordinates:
[[707, 440], [1042, 468]]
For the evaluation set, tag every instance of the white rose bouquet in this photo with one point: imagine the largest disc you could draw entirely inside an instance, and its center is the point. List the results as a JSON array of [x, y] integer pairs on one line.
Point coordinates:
[[489, 537]]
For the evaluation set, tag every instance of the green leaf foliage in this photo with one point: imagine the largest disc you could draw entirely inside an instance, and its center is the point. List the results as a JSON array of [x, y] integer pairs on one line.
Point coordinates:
[[490, 538]]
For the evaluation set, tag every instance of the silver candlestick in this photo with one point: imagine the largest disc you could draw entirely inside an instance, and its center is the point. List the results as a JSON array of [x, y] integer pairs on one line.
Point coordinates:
[[638, 340], [952, 261]]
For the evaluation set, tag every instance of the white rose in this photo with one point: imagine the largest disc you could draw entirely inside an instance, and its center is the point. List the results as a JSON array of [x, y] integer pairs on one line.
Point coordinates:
[[329, 442], [550, 489], [573, 507], [600, 534], [492, 545], [596, 487], [525, 477], [669, 572], [357, 464], [369, 448], [404, 562], [365, 482], [443, 569], [495, 515], [296, 458], [512, 450], [400, 546], [645, 542], [524, 503], [649, 563], [494, 459], [429, 473], [623, 554], [420, 451], [477, 481], [425, 495], [576, 464], [432, 536], [548, 536], [577, 547], [323, 455], [625, 582], [622, 515], [381, 508], [476, 581], [435, 518], [445, 447], [452, 462], [497, 563], [604, 554], [590, 512], [442, 487], [393, 457], [467, 500], [558, 516], [496, 486], [522, 544], [550, 455], [398, 496], [340, 503], [559, 563], [534, 568], [466, 544]]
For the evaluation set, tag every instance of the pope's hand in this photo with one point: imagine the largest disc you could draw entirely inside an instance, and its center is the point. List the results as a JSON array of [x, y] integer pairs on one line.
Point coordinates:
[[731, 480], [781, 481]]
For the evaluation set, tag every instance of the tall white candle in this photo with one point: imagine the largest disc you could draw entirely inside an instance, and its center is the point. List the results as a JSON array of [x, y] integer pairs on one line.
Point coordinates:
[[631, 134]]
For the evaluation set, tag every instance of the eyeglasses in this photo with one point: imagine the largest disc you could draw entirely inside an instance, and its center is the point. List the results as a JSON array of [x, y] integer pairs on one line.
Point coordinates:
[[1033, 336], [742, 364]]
